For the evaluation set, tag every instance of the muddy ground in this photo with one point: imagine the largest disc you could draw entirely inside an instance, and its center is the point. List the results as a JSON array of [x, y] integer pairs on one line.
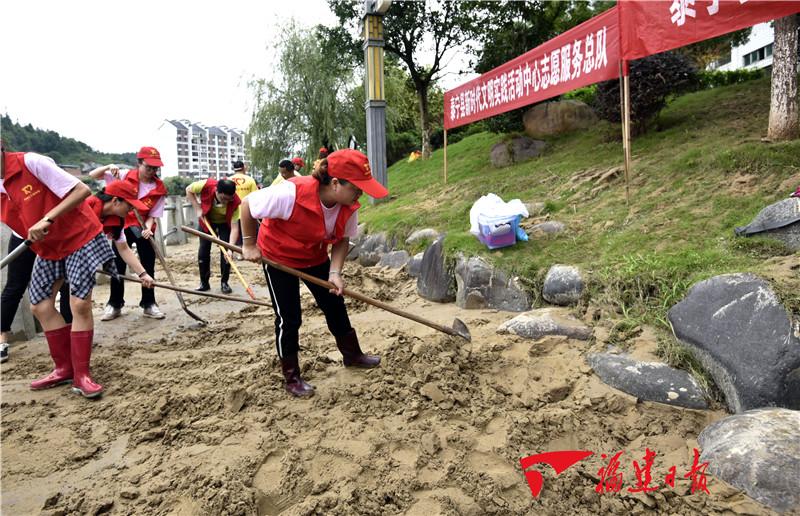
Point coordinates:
[[194, 420]]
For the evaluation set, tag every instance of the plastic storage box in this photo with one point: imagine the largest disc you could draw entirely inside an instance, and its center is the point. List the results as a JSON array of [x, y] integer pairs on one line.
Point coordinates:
[[496, 232]]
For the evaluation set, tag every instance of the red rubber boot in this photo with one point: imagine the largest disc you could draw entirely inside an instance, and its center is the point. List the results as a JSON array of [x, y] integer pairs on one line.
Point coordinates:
[[59, 343], [81, 354]]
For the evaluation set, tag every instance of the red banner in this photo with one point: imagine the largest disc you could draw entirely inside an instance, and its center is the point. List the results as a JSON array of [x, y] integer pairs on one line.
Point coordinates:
[[585, 54], [650, 27]]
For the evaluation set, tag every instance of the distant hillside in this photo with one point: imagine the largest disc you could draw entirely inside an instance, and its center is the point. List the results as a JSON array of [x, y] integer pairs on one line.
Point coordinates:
[[63, 150]]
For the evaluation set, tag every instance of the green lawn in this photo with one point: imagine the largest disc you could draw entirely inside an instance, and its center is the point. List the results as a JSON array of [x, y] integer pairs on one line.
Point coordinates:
[[699, 173]]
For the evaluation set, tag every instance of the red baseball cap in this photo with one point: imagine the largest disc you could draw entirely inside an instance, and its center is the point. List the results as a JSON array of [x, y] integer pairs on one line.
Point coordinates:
[[299, 161], [125, 190], [151, 156], [353, 166]]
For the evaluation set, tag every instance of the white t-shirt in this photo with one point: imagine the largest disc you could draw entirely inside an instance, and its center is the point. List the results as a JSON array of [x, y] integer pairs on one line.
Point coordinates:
[[144, 188], [45, 170], [277, 202]]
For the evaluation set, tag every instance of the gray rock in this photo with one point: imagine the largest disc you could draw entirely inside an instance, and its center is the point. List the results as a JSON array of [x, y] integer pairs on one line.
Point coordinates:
[[563, 285], [372, 248], [422, 234], [394, 259], [500, 155], [780, 220], [368, 259], [651, 381], [759, 452], [546, 321], [414, 265], [524, 148], [743, 336], [517, 150], [562, 116], [435, 281], [480, 286], [551, 227], [535, 208]]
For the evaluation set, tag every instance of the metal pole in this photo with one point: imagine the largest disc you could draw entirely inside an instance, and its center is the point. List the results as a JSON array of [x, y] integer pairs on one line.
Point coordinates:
[[373, 88]]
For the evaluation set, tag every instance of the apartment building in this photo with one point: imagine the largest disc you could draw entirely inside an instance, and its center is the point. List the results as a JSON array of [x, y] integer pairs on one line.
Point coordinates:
[[194, 150]]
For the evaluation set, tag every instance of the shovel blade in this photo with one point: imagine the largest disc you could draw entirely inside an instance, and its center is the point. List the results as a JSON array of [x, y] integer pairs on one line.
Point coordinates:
[[461, 329]]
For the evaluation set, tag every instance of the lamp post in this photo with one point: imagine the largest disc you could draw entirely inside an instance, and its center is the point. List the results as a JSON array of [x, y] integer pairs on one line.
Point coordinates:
[[373, 88]]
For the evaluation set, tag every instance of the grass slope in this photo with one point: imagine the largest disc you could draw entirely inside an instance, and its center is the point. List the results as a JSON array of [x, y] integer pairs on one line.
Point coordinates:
[[700, 173]]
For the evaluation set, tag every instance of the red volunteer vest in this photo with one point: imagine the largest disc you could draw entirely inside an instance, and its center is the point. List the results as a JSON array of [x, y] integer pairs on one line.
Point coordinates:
[[110, 224], [149, 200], [300, 241], [207, 202], [28, 200]]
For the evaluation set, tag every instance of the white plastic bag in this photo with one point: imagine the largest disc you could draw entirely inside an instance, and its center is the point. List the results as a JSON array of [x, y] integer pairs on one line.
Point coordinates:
[[491, 207]]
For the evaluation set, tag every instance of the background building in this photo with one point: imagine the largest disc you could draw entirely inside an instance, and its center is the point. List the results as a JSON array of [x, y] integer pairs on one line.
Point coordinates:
[[753, 54], [194, 150]]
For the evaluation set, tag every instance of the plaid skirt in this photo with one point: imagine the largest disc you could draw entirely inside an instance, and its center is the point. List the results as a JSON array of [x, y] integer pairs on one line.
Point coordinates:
[[78, 269]]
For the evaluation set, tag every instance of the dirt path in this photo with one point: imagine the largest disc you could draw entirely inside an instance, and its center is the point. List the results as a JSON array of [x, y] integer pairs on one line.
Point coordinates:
[[194, 420]]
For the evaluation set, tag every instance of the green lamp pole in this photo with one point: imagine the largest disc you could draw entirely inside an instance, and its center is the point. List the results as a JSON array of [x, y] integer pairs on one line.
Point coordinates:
[[373, 88]]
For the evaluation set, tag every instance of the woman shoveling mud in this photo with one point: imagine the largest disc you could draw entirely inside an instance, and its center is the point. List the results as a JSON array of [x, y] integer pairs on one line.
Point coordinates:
[[301, 218]]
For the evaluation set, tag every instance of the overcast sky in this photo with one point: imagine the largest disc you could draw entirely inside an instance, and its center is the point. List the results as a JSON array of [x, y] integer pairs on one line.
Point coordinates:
[[107, 73]]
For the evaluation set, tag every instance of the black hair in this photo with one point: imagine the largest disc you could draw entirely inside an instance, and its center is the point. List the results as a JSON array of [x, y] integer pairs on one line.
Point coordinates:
[[226, 186], [286, 164], [103, 196], [238, 164]]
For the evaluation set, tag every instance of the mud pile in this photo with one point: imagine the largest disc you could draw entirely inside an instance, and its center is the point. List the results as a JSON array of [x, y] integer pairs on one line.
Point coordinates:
[[194, 420]]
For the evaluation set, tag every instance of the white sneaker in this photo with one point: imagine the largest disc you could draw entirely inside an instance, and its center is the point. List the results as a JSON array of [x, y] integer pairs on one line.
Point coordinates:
[[111, 313], [3, 352], [153, 312]]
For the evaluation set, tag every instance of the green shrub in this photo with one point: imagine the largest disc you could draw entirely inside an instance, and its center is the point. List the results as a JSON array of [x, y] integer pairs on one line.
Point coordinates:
[[716, 78], [653, 80], [587, 94]]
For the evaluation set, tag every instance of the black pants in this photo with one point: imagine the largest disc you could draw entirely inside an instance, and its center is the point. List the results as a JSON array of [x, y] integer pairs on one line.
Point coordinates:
[[19, 275], [148, 258], [284, 289], [223, 232]]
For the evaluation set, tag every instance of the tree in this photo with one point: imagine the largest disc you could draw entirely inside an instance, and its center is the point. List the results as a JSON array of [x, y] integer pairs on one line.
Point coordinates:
[[653, 80], [416, 29], [707, 51], [306, 106], [783, 113]]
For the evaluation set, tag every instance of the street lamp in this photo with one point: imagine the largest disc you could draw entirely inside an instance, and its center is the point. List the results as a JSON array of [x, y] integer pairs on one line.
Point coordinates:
[[373, 87]]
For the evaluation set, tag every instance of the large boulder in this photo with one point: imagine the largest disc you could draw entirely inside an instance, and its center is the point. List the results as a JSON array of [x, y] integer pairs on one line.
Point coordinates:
[[500, 155], [414, 265], [562, 116], [546, 321], [759, 452], [563, 285], [422, 234], [482, 286], [524, 148], [548, 228], [517, 150], [372, 247], [435, 281], [394, 259], [737, 328], [780, 220], [651, 381]]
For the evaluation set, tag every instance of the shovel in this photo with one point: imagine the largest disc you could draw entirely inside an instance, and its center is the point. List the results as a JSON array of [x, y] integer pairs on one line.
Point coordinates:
[[192, 292], [459, 329], [15, 253], [169, 273]]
